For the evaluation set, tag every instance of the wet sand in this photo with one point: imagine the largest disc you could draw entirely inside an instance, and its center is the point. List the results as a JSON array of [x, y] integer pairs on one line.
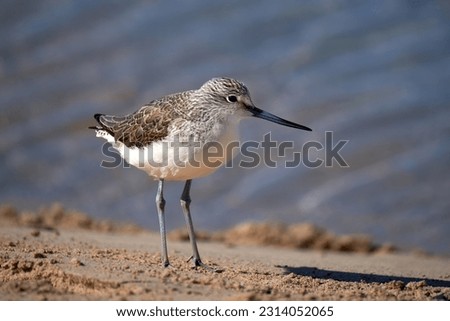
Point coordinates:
[[59, 254]]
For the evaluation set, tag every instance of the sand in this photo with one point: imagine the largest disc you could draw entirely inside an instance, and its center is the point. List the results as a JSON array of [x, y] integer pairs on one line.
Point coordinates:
[[59, 254]]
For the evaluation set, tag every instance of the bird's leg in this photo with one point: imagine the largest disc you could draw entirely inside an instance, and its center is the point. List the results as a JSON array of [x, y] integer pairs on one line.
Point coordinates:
[[160, 203], [185, 205], [185, 201]]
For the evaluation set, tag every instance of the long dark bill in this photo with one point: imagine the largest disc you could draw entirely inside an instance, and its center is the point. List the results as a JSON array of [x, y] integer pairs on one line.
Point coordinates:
[[259, 113]]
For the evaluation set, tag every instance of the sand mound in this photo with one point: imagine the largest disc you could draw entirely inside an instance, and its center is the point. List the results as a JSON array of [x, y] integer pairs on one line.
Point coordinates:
[[56, 216], [301, 236]]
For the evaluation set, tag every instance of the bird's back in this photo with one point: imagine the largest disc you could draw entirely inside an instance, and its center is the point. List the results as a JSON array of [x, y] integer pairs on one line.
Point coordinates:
[[148, 124]]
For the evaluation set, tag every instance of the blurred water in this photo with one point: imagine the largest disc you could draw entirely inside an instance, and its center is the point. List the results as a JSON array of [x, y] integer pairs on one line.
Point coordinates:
[[374, 73]]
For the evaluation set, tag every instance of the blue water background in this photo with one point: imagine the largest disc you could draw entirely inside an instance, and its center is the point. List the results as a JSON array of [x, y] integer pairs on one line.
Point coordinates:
[[375, 73]]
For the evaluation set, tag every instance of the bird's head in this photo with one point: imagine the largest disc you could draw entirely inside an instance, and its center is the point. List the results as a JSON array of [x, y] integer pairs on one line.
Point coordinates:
[[232, 97]]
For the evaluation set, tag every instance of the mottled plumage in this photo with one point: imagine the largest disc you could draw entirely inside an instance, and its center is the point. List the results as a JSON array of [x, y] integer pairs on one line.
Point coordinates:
[[148, 124], [199, 117]]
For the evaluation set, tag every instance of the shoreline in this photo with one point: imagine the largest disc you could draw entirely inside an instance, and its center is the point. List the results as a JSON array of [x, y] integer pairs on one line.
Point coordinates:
[[57, 254]]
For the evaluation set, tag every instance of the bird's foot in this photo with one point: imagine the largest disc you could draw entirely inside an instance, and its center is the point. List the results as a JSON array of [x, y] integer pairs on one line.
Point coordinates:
[[199, 264]]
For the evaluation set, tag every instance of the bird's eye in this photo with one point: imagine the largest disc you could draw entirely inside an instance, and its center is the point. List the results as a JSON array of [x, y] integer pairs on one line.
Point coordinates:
[[231, 99]]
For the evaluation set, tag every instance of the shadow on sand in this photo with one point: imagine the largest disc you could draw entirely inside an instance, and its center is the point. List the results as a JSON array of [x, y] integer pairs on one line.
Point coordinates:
[[358, 277]]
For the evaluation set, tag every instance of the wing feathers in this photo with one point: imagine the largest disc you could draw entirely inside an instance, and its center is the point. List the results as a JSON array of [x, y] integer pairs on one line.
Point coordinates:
[[150, 123]]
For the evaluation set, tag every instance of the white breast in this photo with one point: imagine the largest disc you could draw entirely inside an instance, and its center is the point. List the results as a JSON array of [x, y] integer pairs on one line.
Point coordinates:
[[173, 159]]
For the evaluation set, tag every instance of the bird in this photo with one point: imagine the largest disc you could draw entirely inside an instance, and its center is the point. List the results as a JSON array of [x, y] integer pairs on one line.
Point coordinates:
[[168, 139]]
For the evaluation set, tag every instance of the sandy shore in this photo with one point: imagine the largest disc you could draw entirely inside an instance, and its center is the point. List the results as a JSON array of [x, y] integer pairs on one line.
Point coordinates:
[[55, 254]]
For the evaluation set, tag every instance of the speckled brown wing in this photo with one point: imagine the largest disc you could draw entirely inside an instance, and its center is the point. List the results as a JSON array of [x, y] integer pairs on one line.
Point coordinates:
[[150, 123]]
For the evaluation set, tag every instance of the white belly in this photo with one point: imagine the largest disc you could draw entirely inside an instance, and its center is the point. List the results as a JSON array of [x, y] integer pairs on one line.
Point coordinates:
[[171, 159]]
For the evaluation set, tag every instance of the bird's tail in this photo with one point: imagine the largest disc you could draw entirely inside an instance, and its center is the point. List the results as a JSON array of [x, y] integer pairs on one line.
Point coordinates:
[[104, 123], [97, 118], [107, 124]]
